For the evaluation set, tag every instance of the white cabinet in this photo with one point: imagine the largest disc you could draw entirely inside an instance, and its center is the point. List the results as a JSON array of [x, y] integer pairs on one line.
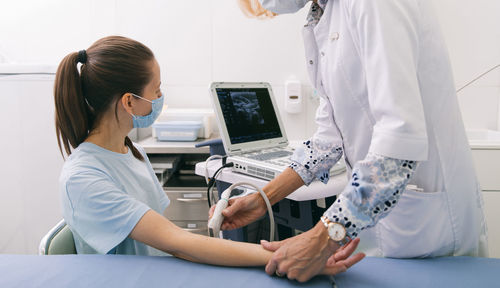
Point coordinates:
[[487, 163], [492, 213], [31, 162]]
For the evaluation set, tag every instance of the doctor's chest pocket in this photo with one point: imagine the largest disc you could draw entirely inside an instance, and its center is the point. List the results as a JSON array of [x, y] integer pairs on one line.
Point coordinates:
[[330, 54], [418, 226], [346, 86], [343, 66]]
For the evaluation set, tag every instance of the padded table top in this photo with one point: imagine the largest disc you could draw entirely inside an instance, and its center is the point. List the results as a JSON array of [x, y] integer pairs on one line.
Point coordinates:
[[124, 271]]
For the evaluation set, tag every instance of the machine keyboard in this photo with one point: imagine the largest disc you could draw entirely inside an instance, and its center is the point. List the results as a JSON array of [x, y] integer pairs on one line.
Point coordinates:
[[271, 155]]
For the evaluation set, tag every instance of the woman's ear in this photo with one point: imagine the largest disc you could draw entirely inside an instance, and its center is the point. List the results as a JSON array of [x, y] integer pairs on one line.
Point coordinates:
[[127, 102]]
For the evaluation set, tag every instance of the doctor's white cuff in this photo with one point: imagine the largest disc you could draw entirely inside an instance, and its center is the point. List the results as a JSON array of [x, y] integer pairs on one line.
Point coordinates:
[[314, 159], [399, 146], [375, 188]]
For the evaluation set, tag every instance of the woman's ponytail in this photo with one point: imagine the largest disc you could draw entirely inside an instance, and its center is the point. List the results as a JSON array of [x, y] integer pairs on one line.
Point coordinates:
[[72, 117], [134, 150]]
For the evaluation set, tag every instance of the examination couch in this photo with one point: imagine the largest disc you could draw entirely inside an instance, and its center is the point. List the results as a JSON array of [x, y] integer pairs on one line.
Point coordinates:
[[122, 271]]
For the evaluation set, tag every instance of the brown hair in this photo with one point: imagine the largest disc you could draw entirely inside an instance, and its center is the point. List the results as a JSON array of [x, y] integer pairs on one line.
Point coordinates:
[[114, 66], [253, 9]]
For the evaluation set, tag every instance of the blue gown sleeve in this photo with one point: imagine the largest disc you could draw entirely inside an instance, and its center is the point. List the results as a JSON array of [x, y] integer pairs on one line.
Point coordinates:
[[375, 188], [314, 159], [101, 213]]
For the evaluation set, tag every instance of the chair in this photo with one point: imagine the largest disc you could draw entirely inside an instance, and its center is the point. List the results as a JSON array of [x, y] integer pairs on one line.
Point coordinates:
[[59, 240]]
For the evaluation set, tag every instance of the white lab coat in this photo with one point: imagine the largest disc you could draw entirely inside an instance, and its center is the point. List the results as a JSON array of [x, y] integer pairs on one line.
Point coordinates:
[[383, 73]]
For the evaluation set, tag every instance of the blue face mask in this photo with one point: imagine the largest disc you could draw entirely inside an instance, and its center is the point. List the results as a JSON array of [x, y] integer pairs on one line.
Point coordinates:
[[283, 6], [148, 120]]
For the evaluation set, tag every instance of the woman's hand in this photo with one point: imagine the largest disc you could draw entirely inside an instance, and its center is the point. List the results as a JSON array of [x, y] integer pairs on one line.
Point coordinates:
[[340, 261], [242, 211], [309, 254]]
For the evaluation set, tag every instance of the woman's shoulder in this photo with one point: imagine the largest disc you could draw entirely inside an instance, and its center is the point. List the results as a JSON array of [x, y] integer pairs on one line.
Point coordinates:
[[83, 154], [82, 161]]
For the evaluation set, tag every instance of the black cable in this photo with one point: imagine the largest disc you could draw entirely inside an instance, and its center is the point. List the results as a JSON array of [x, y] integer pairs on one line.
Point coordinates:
[[211, 182]]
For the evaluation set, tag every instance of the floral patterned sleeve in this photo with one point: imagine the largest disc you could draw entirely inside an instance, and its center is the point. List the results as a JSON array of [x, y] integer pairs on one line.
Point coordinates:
[[375, 187], [314, 159]]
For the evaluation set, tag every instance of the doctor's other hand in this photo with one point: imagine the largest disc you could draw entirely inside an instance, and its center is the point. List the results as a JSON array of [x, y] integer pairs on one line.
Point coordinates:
[[309, 254], [242, 211]]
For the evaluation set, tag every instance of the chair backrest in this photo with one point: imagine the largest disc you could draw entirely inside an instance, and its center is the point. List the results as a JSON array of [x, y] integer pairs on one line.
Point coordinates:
[[59, 240]]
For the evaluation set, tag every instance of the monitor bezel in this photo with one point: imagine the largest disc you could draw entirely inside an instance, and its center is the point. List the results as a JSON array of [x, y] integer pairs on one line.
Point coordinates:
[[230, 148]]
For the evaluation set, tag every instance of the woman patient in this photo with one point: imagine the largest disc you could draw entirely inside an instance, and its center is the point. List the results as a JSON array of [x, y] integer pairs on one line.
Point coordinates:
[[112, 200]]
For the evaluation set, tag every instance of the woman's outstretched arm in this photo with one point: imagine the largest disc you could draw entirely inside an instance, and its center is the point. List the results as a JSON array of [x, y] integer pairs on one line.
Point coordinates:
[[156, 231]]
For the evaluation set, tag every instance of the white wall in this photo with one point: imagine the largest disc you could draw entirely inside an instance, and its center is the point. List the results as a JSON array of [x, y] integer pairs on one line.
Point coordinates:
[[472, 31], [200, 41]]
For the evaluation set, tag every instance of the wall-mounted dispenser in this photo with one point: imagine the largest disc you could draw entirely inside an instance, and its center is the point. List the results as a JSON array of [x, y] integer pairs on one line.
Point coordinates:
[[293, 96]]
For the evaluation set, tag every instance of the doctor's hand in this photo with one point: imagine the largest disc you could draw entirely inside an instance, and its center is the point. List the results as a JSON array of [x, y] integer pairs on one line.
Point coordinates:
[[242, 211], [309, 254]]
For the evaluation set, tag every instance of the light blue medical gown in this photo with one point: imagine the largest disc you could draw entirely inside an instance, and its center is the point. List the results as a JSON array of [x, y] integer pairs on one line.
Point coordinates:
[[104, 194]]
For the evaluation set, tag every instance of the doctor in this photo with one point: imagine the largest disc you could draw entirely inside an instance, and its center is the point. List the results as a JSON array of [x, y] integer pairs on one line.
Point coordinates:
[[388, 105]]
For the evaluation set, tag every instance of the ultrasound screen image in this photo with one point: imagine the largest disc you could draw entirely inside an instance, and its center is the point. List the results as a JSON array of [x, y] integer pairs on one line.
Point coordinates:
[[249, 114]]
